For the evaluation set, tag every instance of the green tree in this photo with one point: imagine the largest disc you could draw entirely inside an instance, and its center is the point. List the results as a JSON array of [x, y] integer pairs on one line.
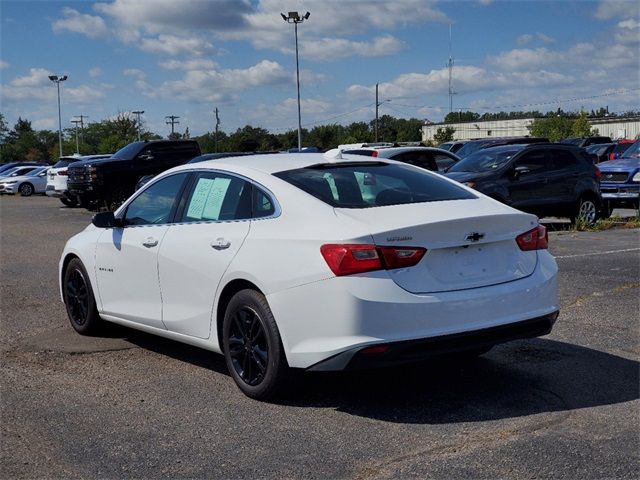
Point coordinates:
[[581, 126], [443, 135], [555, 128], [455, 117]]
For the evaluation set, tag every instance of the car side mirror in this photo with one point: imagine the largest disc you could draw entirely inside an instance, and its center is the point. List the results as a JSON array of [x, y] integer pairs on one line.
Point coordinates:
[[106, 220]]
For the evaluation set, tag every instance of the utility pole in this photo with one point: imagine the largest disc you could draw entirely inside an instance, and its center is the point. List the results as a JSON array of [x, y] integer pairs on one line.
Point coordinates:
[[138, 113], [377, 105], [450, 66], [172, 121], [217, 125], [82, 117], [76, 122]]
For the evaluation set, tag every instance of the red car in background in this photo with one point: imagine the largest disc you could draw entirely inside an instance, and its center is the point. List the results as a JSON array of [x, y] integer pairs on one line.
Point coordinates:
[[620, 148]]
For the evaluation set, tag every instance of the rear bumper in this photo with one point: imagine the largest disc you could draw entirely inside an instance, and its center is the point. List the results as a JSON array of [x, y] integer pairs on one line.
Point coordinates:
[[411, 351], [322, 319], [52, 192]]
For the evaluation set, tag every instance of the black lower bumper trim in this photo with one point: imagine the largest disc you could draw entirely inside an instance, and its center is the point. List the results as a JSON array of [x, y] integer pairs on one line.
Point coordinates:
[[410, 351]]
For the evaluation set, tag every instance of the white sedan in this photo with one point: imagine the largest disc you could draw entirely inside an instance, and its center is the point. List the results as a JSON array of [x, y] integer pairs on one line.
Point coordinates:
[[315, 262], [34, 181]]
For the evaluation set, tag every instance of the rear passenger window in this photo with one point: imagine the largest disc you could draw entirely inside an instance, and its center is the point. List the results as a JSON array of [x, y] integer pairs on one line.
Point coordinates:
[[535, 161], [218, 197], [419, 159], [443, 161], [563, 158], [262, 204]]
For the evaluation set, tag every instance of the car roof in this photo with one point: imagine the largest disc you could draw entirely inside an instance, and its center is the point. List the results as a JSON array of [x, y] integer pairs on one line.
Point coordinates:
[[276, 162]]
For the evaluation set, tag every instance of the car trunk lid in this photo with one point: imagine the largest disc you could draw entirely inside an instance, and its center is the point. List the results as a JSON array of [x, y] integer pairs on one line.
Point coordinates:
[[470, 243]]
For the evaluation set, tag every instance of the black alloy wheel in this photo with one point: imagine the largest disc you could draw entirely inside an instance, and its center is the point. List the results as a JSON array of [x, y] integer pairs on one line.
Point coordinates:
[[69, 202], [79, 299], [248, 346], [252, 347], [26, 189]]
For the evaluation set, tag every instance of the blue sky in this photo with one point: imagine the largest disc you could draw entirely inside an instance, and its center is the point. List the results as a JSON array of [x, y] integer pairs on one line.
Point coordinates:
[[179, 57]]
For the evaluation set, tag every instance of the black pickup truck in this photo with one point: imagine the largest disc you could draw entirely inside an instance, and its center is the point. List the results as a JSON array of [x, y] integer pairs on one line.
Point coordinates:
[[114, 179]]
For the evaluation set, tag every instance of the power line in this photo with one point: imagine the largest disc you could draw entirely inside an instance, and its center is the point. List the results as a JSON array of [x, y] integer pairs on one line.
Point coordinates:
[[550, 102]]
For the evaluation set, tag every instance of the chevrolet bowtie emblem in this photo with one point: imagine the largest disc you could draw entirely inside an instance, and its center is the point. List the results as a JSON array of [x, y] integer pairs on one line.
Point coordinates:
[[474, 237]]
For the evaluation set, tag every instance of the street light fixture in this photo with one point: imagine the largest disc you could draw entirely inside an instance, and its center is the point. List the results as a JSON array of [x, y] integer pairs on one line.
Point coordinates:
[[295, 18], [55, 79], [138, 113]]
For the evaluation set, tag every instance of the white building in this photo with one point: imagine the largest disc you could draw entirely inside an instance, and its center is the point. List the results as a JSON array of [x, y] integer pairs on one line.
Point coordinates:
[[614, 127]]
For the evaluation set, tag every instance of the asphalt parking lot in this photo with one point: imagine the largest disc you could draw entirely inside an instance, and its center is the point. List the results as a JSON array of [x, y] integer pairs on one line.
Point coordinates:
[[133, 405]]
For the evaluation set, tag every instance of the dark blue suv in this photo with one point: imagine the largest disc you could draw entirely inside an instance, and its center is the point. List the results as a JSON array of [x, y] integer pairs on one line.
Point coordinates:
[[620, 181], [547, 179]]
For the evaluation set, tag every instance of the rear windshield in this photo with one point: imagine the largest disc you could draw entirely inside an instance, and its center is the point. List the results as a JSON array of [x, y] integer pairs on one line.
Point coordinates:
[[469, 148], [621, 147], [484, 160], [633, 151], [63, 163], [375, 184]]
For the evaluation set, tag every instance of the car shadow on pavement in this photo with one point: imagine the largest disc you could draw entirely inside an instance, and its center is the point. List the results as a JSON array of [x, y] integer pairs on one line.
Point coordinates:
[[517, 379]]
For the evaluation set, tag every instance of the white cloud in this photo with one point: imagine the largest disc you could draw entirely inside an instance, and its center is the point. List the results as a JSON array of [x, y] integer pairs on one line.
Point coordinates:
[[38, 77], [155, 16], [608, 9], [95, 72], [628, 31], [3, 65], [194, 64], [335, 48], [524, 39], [45, 124], [74, 21], [220, 85], [134, 72], [545, 38], [175, 45], [37, 86], [520, 58]]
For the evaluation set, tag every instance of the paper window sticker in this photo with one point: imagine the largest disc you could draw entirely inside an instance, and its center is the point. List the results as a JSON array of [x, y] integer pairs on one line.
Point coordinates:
[[199, 198], [215, 198]]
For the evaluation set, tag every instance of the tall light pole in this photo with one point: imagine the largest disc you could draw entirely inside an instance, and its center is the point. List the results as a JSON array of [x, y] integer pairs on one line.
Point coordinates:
[[55, 79], [138, 113], [295, 18]]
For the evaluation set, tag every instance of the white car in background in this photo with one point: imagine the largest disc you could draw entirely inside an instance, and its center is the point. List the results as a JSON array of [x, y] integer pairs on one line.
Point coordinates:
[[33, 181], [315, 262], [57, 179]]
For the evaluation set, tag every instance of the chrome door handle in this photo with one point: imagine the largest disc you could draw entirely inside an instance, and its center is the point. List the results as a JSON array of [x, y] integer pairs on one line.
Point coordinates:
[[220, 244], [150, 242]]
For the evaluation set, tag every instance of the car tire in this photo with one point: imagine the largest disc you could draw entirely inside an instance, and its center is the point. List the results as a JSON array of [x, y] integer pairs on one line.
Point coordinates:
[[587, 210], [26, 189], [79, 299], [69, 202], [252, 346]]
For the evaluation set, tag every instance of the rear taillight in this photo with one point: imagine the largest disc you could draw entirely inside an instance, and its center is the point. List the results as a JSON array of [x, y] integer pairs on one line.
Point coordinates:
[[534, 239], [63, 173], [374, 153], [612, 156], [597, 173], [348, 259]]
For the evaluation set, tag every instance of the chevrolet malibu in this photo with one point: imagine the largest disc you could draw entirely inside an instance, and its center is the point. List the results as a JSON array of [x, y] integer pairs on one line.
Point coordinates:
[[314, 262]]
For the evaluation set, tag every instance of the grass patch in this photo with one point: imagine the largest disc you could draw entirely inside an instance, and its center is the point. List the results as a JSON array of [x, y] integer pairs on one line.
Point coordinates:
[[606, 224]]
